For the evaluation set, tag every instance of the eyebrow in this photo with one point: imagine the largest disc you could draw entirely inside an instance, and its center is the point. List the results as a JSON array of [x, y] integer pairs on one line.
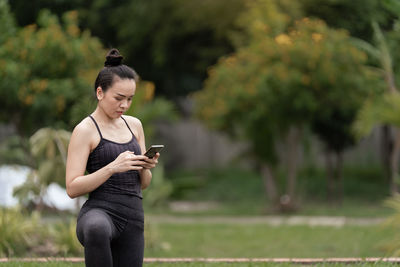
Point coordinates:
[[123, 95]]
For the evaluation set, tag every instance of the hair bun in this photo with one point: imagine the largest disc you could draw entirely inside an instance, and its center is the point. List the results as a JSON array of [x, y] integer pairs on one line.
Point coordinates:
[[113, 58]]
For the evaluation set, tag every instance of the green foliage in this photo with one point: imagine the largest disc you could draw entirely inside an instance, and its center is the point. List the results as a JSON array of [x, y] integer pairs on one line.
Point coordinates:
[[16, 150], [354, 16], [153, 242], [298, 76], [64, 234], [170, 42], [7, 23], [16, 232], [382, 110], [267, 17], [392, 245], [44, 69], [160, 188], [48, 149], [149, 109]]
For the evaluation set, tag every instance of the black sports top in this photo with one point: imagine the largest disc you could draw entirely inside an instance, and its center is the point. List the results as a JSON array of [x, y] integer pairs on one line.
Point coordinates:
[[126, 183]]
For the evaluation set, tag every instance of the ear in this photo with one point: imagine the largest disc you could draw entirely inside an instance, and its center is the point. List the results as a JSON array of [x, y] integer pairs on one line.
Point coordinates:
[[99, 93]]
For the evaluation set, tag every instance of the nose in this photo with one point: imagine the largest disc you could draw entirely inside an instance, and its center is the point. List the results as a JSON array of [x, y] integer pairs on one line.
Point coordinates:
[[124, 104]]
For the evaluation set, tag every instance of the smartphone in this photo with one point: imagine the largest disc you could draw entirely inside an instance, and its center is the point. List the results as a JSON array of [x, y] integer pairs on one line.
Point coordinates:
[[151, 152]]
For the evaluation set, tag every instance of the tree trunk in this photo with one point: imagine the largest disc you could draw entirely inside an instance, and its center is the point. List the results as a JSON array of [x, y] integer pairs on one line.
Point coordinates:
[[338, 177], [269, 184], [394, 163], [330, 177], [293, 156], [334, 165], [386, 145]]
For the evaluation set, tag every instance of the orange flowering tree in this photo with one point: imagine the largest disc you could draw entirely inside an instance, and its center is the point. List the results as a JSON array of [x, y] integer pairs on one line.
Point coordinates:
[[47, 70], [287, 75]]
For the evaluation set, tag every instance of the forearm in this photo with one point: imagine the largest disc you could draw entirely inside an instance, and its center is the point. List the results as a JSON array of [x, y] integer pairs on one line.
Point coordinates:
[[145, 178], [84, 184]]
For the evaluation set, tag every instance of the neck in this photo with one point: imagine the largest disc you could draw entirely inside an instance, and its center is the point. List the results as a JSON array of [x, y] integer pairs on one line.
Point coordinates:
[[99, 114]]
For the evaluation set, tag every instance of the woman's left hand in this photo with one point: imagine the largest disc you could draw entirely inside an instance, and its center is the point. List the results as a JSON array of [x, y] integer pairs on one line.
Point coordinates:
[[151, 162]]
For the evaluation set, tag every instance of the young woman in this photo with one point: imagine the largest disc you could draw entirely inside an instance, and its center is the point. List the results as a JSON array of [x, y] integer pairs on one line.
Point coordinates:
[[109, 146]]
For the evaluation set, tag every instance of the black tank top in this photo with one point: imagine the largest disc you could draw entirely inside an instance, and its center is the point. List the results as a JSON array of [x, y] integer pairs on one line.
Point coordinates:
[[126, 183]]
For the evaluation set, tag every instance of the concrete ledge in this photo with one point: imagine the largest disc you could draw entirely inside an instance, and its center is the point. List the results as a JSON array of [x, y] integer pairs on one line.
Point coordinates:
[[205, 260]]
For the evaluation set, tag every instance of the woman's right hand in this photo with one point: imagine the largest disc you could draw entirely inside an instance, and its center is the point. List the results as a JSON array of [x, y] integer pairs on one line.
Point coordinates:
[[127, 161]]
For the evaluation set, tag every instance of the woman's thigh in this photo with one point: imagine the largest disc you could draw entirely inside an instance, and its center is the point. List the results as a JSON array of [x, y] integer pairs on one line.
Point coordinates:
[[95, 226], [128, 248]]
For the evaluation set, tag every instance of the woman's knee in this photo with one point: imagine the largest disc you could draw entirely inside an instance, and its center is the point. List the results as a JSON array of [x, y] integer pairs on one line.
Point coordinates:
[[95, 229]]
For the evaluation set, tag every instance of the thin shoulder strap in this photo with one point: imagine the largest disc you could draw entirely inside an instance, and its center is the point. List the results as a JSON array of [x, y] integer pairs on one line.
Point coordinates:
[[97, 126], [127, 126]]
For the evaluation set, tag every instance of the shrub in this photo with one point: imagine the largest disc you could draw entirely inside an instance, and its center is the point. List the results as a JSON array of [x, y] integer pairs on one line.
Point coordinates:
[[17, 232], [65, 239]]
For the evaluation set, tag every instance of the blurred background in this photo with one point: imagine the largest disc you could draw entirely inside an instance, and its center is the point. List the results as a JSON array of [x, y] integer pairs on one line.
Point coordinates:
[[268, 109]]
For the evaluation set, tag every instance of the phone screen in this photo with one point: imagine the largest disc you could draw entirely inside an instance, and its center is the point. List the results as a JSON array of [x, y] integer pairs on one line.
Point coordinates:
[[152, 151]]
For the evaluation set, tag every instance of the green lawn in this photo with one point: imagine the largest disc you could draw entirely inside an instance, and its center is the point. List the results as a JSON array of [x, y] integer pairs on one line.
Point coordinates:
[[217, 240], [264, 241], [200, 264], [241, 192]]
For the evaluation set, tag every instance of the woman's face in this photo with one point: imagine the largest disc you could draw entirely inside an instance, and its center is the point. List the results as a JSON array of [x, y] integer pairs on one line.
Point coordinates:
[[118, 98]]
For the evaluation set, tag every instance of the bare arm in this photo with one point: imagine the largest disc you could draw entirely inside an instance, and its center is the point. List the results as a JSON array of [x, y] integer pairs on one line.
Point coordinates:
[[77, 183]]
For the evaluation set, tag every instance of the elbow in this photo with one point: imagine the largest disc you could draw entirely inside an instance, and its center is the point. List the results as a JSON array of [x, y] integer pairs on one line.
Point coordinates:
[[144, 186], [71, 195], [146, 183], [71, 192], [146, 179]]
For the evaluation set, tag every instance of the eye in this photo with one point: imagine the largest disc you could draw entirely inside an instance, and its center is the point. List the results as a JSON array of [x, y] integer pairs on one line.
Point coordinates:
[[130, 99], [118, 98]]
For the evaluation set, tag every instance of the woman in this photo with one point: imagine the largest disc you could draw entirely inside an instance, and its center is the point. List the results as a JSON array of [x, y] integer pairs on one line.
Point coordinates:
[[109, 146]]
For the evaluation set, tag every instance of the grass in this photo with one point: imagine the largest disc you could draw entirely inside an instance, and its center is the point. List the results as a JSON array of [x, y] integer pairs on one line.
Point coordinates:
[[252, 264], [264, 241], [240, 192], [201, 264], [40, 264]]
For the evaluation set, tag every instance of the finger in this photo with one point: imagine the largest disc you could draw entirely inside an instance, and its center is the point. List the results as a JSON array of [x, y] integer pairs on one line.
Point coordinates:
[[137, 162], [136, 168], [127, 154], [140, 157], [152, 161], [149, 165]]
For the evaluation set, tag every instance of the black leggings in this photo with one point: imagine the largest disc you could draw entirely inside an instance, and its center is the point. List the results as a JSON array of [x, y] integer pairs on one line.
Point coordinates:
[[110, 227]]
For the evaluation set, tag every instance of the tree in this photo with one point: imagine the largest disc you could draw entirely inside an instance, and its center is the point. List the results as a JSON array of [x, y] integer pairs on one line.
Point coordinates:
[[7, 22], [383, 110], [49, 149], [383, 56], [168, 42], [285, 78], [354, 16], [46, 72], [27, 13]]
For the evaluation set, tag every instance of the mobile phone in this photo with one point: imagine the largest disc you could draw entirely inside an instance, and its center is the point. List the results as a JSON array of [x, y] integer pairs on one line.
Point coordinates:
[[151, 152]]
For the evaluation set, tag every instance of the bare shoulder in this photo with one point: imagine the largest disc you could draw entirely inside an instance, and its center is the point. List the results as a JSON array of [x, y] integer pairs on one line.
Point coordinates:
[[84, 128], [135, 124], [133, 121], [85, 133]]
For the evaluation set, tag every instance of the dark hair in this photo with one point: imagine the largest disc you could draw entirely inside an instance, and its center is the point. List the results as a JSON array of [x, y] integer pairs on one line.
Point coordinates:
[[113, 67]]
